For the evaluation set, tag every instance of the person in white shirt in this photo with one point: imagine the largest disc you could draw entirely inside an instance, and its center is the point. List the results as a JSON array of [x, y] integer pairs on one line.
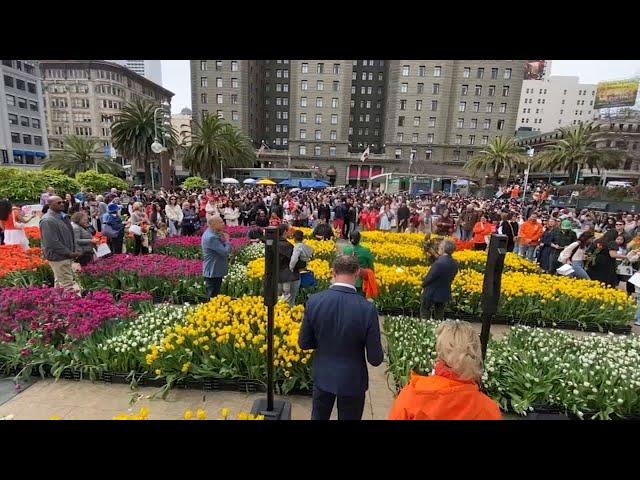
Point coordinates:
[[174, 216], [574, 255], [231, 214]]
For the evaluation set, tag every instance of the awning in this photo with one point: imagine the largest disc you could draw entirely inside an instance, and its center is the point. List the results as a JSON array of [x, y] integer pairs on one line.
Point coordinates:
[[29, 153]]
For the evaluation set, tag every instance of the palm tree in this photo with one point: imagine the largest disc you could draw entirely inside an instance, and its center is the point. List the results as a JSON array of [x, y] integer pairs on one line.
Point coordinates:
[[500, 154], [576, 149], [80, 155], [215, 143], [134, 131]]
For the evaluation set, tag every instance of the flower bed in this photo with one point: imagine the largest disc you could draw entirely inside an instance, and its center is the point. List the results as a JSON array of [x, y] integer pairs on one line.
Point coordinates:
[[249, 252], [14, 258], [190, 247], [166, 278], [589, 377], [33, 234], [225, 338], [477, 260]]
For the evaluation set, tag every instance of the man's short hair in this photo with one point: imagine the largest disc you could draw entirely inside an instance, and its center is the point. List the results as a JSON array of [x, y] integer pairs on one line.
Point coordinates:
[[298, 235], [345, 264], [283, 228], [448, 246]]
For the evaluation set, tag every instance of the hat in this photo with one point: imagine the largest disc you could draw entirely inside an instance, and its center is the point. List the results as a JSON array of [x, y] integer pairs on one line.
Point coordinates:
[[565, 225], [112, 208]]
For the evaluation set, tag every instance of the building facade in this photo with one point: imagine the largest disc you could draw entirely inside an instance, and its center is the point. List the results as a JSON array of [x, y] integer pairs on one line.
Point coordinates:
[[151, 69], [23, 138], [83, 97], [420, 116], [181, 123], [555, 102]]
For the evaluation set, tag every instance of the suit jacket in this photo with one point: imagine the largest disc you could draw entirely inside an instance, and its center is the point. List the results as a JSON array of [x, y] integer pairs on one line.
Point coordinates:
[[437, 283], [340, 325]]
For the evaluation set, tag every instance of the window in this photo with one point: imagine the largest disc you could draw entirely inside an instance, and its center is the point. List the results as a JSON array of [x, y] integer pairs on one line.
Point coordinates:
[[234, 83], [203, 98], [507, 75], [434, 105], [414, 138], [422, 71], [420, 88], [432, 121], [494, 73], [303, 85], [285, 74], [31, 87], [332, 151], [458, 139], [303, 101], [398, 153], [24, 121], [319, 102], [403, 104], [318, 118], [462, 106], [472, 138], [334, 119], [478, 90], [219, 99], [492, 90], [285, 87], [370, 76], [37, 140], [456, 155], [218, 82], [416, 121], [22, 102], [11, 100], [401, 121], [336, 69], [503, 108], [319, 85], [485, 140], [480, 73], [26, 139], [405, 70], [353, 89], [465, 90], [278, 73], [466, 73], [333, 135], [476, 106], [316, 151], [429, 138], [334, 103], [320, 68], [354, 75], [303, 133], [505, 91], [363, 90], [203, 82], [278, 100], [303, 118], [500, 124], [489, 108], [318, 135], [473, 123], [486, 124], [8, 81], [380, 76], [15, 137], [302, 150], [218, 64], [335, 86], [404, 87], [460, 123], [13, 119], [305, 68], [203, 65], [285, 115], [437, 71], [418, 105], [234, 66]]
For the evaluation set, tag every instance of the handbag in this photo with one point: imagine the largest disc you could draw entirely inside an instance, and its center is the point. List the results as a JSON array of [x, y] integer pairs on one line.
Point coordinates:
[[565, 270], [624, 270], [307, 279], [102, 250]]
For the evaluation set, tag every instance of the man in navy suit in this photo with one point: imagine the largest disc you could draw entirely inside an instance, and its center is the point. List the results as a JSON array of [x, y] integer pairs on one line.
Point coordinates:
[[340, 325], [437, 283]]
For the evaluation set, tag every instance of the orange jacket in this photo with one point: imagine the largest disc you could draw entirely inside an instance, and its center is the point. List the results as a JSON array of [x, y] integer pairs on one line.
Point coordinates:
[[439, 397], [515, 192], [530, 232], [479, 231]]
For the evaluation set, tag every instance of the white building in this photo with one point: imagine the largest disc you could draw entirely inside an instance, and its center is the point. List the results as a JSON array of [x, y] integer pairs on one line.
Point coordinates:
[[151, 69], [555, 102]]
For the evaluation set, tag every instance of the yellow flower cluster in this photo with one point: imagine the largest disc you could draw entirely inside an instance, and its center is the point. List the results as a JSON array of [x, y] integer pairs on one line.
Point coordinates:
[[396, 238], [322, 248], [320, 268], [477, 260], [225, 322], [201, 414], [399, 253], [143, 414]]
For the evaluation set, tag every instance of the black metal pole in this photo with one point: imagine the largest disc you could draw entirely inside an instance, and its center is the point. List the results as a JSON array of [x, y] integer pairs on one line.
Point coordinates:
[[270, 300], [491, 285], [270, 358]]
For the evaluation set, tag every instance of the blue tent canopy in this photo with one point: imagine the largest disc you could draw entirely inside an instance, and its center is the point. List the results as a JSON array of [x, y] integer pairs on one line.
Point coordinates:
[[285, 183], [310, 183]]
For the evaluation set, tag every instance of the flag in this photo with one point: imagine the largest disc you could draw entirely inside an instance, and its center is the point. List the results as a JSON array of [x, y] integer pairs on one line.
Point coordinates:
[[365, 155]]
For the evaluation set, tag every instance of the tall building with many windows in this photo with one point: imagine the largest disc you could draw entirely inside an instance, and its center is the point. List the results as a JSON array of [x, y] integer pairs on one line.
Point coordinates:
[[83, 97], [422, 116], [151, 69], [23, 139], [555, 102]]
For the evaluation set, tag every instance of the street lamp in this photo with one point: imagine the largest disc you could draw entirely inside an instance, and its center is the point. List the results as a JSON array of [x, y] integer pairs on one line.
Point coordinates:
[[156, 146], [530, 152]]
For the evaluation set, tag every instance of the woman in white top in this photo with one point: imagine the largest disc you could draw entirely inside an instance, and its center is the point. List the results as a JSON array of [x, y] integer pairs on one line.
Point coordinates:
[[174, 216], [231, 214], [574, 255], [211, 208]]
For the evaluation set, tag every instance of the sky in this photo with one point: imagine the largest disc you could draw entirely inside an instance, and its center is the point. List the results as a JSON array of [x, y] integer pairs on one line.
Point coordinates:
[[177, 78]]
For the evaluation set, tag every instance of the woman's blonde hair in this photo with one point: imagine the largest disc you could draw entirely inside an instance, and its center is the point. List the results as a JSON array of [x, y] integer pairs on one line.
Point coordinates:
[[137, 205], [458, 346]]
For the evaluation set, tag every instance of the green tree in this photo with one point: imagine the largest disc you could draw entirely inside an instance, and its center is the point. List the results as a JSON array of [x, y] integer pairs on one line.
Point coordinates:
[[499, 155], [79, 155], [26, 186], [134, 131], [193, 182], [100, 182], [215, 142], [575, 150]]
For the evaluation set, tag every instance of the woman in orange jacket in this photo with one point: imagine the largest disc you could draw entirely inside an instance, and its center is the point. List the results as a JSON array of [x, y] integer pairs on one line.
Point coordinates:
[[452, 392], [481, 229]]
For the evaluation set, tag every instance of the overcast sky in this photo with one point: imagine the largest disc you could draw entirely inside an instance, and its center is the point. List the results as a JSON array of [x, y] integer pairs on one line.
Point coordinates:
[[177, 78]]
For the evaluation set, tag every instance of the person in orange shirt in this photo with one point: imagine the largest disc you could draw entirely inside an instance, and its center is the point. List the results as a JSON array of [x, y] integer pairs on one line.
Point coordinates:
[[451, 392], [515, 191], [481, 229], [529, 237], [364, 219]]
